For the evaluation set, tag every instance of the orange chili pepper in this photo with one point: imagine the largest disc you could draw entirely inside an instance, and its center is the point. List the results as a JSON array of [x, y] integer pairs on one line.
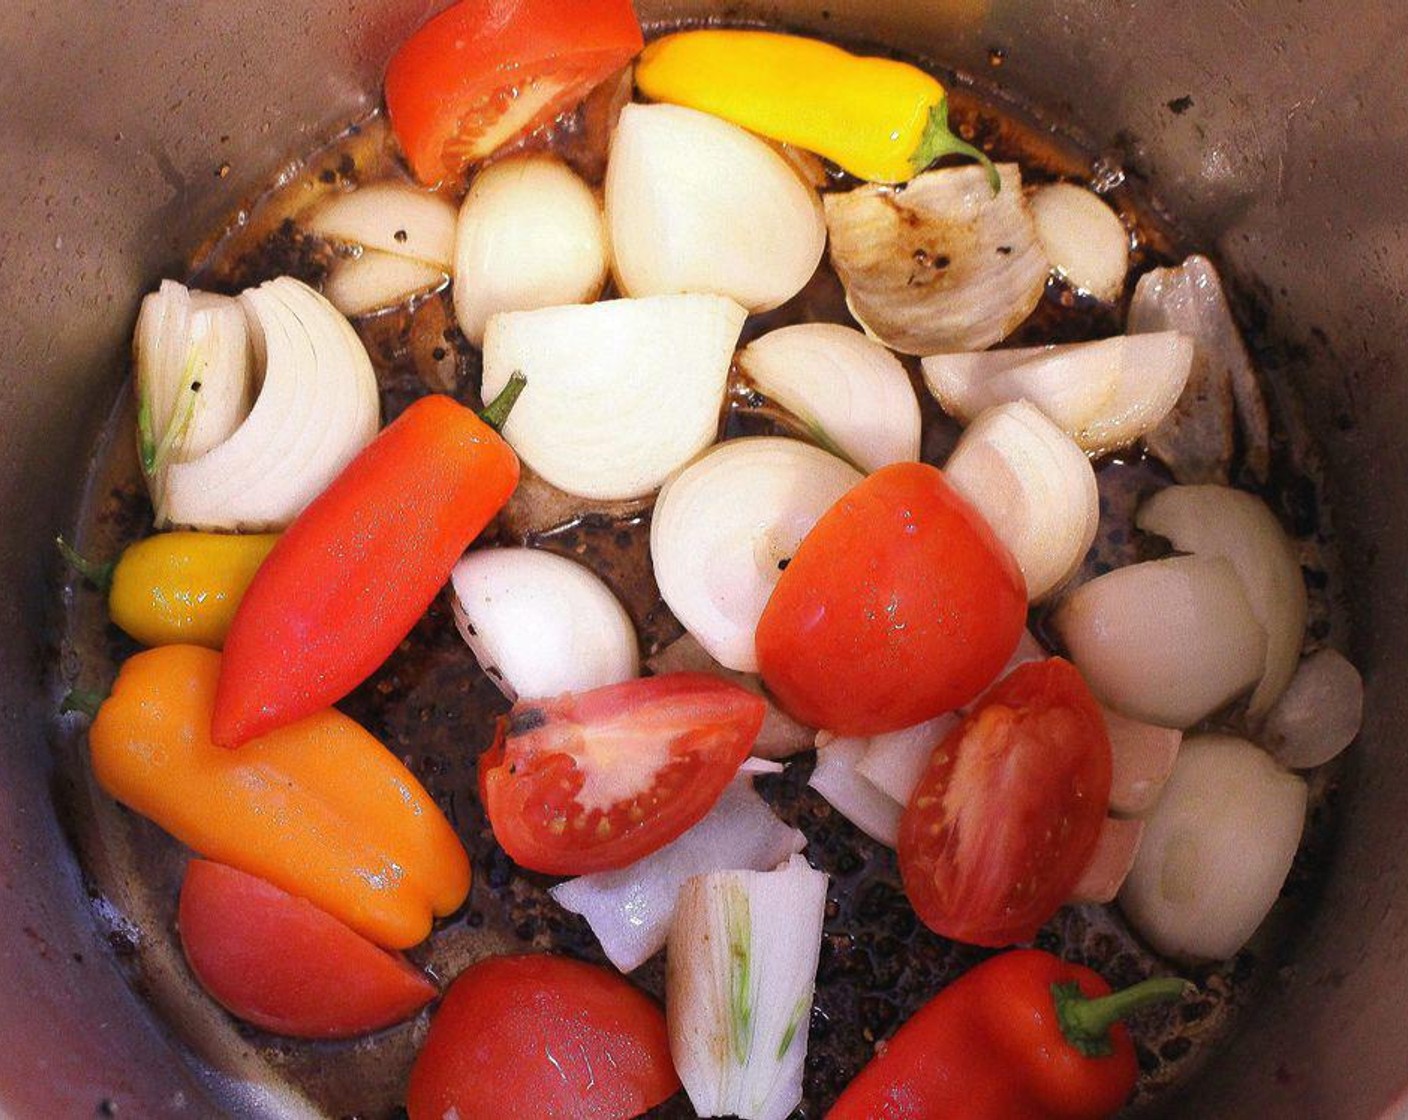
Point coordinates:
[[319, 808]]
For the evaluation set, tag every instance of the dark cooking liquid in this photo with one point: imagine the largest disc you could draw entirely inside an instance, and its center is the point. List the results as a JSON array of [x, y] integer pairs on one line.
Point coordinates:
[[430, 704]]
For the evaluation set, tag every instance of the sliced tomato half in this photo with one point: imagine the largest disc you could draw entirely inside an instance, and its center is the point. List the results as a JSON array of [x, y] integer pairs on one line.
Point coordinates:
[[483, 71], [596, 780]]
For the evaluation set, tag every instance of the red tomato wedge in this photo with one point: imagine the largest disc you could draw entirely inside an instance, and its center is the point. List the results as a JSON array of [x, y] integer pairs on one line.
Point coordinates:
[[545, 1037], [899, 605], [279, 962], [483, 71], [1006, 817], [593, 781]]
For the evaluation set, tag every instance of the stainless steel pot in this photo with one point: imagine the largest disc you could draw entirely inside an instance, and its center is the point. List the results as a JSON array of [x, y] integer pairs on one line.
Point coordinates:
[[1276, 133]]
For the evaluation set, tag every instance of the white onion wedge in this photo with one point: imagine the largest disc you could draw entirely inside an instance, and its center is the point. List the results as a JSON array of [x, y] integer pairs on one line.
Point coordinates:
[[1083, 238], [725, 526], [620, 394], [1034, 486], [844, 386], [1104, 394], [1167, 642], [696, 204], [541, 625], [394, 218], [781, 736], [1142, 757], [895, 761], [1110, 863], [1216, 850], [375, 280], [530, 235], [1220, 521], [192, 357], [1319, 713], [740, 973], [630, 910], [1196, 439], [942, 263], [316, 408], [850, 793]]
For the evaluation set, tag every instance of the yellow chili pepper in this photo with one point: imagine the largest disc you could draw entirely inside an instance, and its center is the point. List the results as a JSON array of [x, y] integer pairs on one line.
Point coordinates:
[[178, 587], [318, 808], [881, 120]]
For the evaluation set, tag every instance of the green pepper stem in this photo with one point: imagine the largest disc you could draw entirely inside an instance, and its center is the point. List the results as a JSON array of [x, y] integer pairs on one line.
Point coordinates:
[[1086, 1022], [82, 700], [938, 140], [99, 575], [496, 412]]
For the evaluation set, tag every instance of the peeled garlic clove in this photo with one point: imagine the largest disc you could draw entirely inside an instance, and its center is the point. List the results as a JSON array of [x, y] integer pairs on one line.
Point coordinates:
[[943, 264], [1085, 240], [1220, 521], [847, 388], [375, 281], [696, 204], [1034, 486], [725, 527], [1167, 642], [1319, 713], [620, 393], [530, 235], [394, 218]]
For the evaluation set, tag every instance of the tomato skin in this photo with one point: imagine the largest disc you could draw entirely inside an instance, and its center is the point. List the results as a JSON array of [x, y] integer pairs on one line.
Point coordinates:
[[450, 85], [691, 731], [1007, 814], [556, 1037], [277, 961], [899, 605]]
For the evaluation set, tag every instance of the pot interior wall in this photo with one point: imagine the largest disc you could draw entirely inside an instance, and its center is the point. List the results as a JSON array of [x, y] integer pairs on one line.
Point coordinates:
[[1277, 135]]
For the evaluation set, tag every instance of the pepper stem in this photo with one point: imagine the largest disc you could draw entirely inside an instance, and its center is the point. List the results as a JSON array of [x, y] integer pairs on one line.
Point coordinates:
[[496, 412], [99, 575], [939, 140], [1086, 1022], [82, 700]]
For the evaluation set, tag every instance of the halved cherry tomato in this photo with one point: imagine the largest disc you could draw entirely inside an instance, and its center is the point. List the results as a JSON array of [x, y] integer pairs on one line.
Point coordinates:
[[545, 1037], [483, 71], [1006, 817], [279, 962], [899, 605], [596, 780]]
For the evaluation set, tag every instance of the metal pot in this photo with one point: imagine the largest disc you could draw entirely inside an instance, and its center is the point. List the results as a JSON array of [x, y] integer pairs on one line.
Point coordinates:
[[1278, 135]]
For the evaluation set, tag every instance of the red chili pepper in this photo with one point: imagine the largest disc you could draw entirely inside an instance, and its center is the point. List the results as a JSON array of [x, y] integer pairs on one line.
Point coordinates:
[[350, 577], [1023, 1036]]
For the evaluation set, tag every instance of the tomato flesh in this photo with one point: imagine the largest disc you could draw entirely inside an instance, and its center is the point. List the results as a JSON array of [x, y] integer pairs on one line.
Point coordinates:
[[1008, 812], [483, 71], [899, 605], [546, 1037], [277, 961], [594, 781]]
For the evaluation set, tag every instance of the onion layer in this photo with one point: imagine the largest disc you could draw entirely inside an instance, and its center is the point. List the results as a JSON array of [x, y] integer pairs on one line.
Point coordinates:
[[843, 386], [1216, 849], [316, 408], [696, 204], [1220, 521], [1319, 713], [1034, 486], [1167, 642], [725, 527], [530, 235], [850, 793], [620, 393], [895, 761], [943, 264], [1085, 240], [1104, 394], [541, 625]]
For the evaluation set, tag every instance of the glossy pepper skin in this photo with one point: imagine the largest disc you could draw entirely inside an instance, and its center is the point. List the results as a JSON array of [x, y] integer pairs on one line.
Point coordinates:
[[319, 809], [879, 119], [991, 1046], [359, 566], [184, 587]]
